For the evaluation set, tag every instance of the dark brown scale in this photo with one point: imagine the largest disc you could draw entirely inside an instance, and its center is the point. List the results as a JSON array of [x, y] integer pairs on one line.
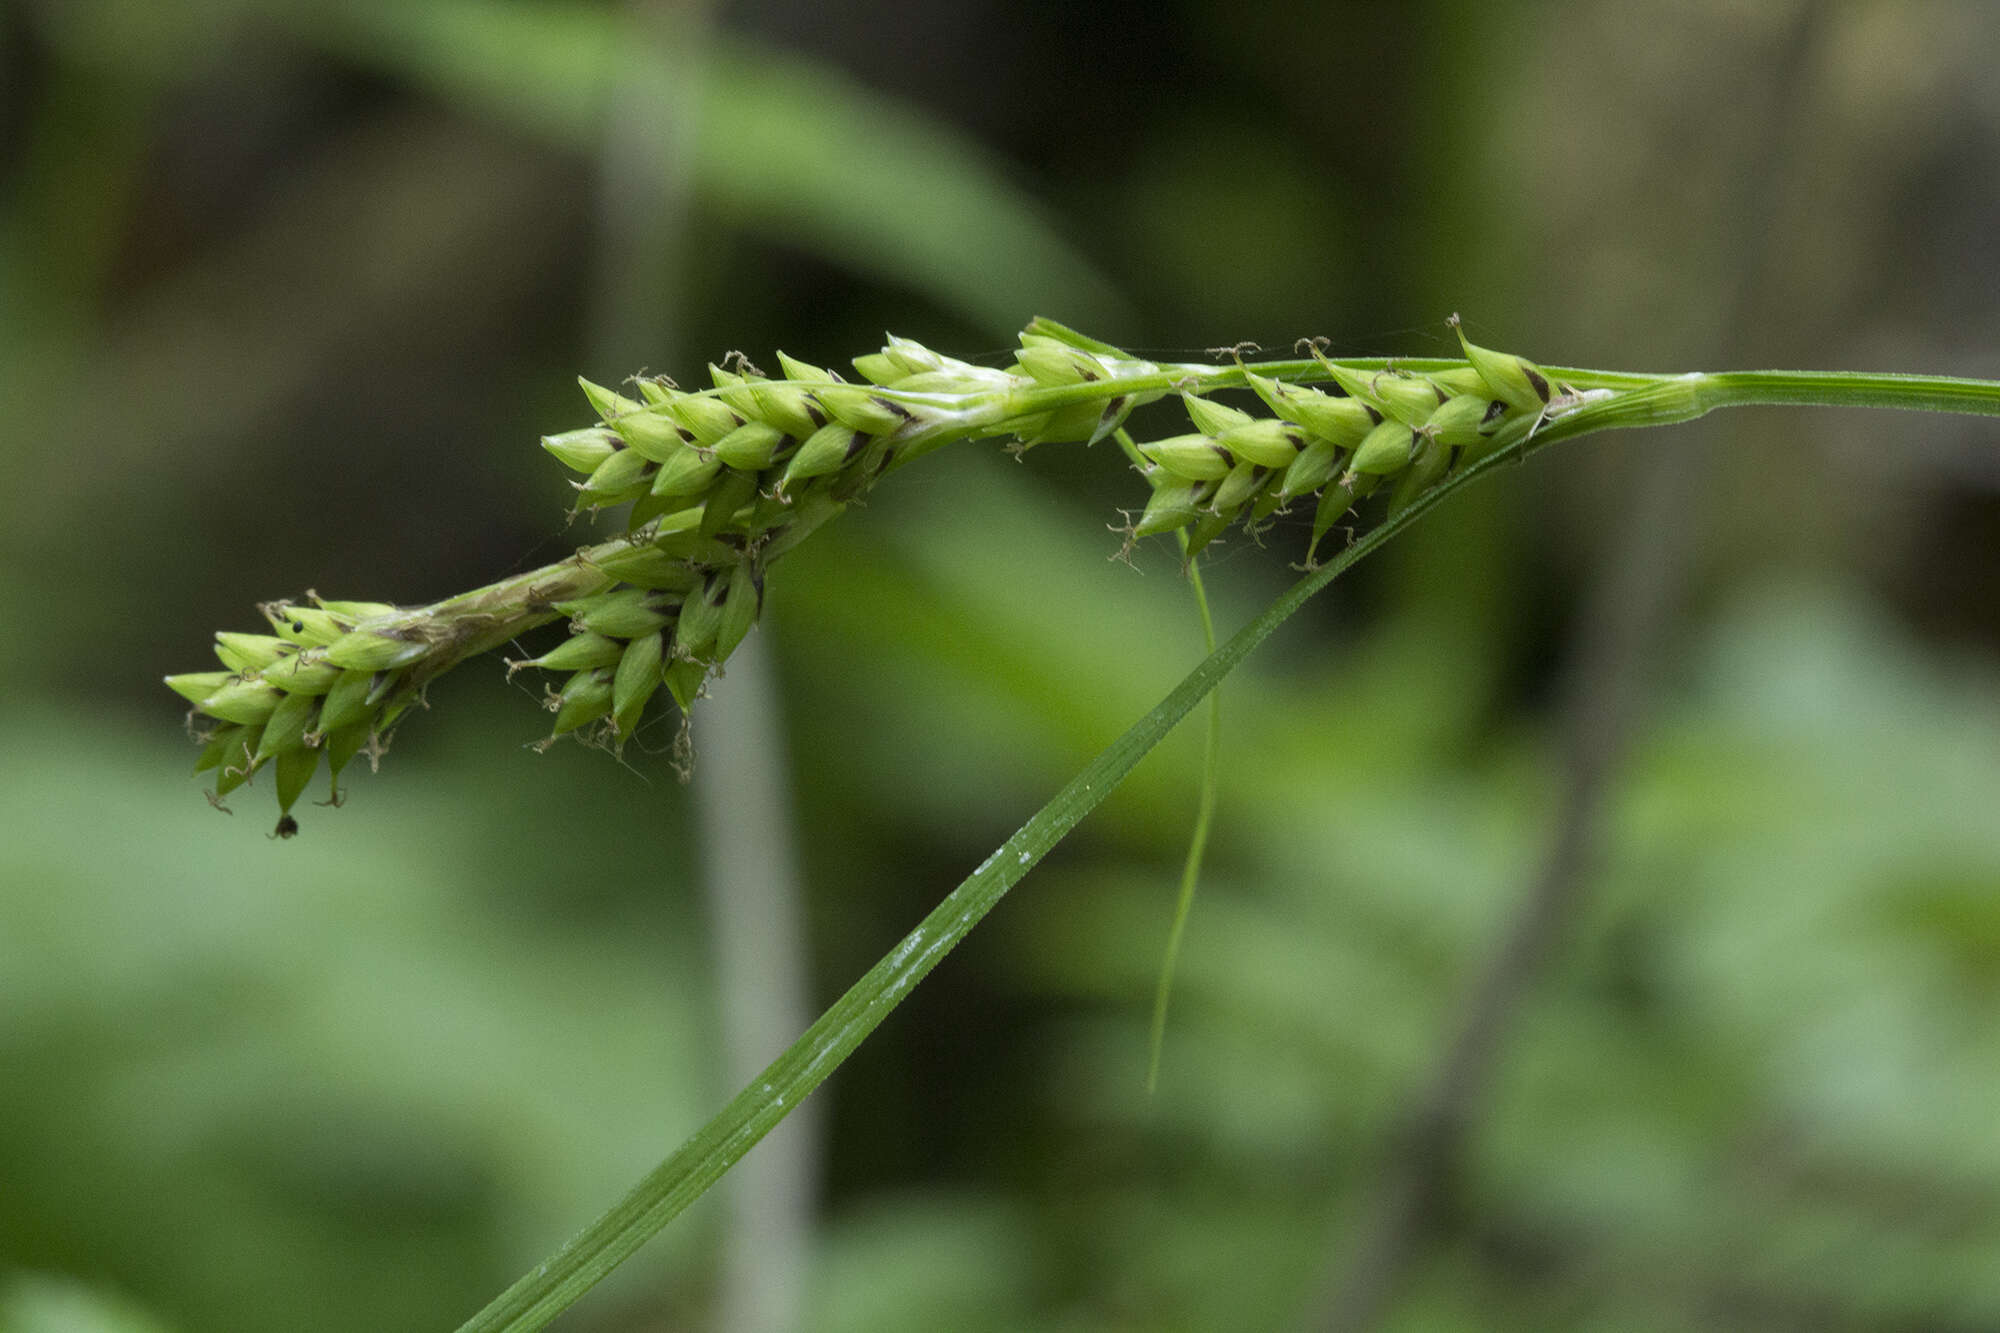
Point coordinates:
[[893, 406], [854, 447], [1494, 411], [1540, 385], [817, 417]]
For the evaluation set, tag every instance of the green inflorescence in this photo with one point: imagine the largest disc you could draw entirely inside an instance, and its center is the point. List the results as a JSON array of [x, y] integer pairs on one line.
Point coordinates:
[[1369, 430], [722, 481]]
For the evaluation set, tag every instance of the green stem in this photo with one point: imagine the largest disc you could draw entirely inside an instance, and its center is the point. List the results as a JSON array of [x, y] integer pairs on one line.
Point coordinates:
[[1843, 388], [1211, 771], [1211, 768], [1663, 398]]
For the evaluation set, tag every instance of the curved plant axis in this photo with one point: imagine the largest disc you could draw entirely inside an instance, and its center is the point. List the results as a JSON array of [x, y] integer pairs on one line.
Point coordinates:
[[724, 480]]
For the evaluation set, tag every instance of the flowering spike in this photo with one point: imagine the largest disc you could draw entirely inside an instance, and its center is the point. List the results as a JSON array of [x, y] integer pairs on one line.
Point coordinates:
[[723, 481]]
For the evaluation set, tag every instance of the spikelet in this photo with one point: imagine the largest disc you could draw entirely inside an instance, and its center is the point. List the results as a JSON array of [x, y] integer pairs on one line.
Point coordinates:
[[724, 480], [1387, 429]]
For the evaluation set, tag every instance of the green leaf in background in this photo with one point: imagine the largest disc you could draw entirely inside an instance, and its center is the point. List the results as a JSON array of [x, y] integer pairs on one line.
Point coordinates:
[[781, 144], [38, 1303], [330, 1089], [1768, 1068]]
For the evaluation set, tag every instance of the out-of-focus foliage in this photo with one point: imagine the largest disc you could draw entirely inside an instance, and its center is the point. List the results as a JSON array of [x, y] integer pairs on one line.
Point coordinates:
[[286, 294]]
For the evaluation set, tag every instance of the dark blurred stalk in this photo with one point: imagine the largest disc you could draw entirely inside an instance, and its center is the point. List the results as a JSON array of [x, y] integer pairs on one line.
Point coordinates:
[[743, 808], [1630, 614]]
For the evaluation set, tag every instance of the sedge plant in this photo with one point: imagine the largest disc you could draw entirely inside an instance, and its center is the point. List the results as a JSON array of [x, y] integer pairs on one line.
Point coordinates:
[[722, 481]]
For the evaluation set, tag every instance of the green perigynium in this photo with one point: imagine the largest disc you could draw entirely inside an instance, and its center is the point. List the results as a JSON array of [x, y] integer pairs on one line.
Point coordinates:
[[722, 481]]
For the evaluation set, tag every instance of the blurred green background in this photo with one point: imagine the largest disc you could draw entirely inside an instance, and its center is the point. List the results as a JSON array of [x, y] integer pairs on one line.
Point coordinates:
[[1704, 721]]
